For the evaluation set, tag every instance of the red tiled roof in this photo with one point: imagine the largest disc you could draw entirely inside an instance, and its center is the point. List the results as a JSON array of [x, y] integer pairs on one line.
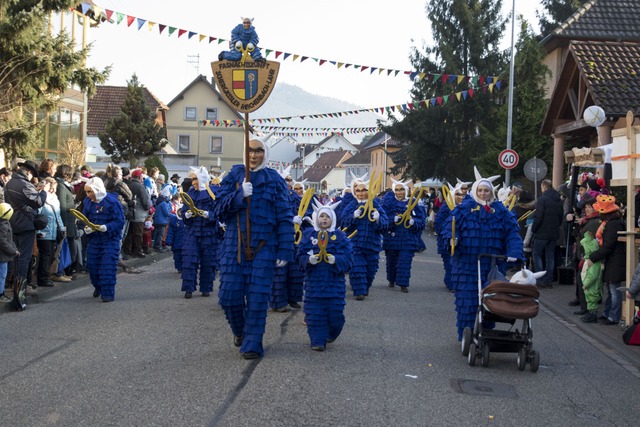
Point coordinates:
[[362, 158], [107, 102], [325, 164]]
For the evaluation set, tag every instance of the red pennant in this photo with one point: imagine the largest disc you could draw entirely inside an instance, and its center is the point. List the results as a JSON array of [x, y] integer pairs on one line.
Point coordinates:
[[444, 78], [108, 13], [278, 54], [130, 20], [181, 32], [439, 100], [470, 91]]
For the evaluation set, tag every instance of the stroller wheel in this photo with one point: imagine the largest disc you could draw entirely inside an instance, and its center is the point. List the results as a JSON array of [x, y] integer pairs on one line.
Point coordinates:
[[466, 341], [535, 360], [472, 355], [485, 355], [522, 359]]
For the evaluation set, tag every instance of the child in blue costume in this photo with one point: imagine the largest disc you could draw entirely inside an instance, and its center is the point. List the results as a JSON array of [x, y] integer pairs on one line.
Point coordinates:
[[325, 253], [483, 225], [401, 240], [199, 242], [246, 266], [367, 242], [243, 36], [174, 239], [103, 246]]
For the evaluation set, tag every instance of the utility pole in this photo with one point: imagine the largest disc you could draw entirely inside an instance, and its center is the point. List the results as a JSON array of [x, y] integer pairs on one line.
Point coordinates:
[[507, 175]]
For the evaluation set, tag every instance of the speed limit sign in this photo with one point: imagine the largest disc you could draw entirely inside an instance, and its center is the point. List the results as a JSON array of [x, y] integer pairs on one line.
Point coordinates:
[[508, 159]]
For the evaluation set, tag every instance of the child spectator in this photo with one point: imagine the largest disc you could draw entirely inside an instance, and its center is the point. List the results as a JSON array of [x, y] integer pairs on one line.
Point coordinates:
[[161, 219], [591, 278], [8, 249], [326, 255], [147, 235]]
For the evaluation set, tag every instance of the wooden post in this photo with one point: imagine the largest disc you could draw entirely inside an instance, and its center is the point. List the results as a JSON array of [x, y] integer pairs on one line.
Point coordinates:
[[629, 306], [247, 178]]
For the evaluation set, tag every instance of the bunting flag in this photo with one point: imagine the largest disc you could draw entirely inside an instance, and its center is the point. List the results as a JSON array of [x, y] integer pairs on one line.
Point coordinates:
[[295, 57]]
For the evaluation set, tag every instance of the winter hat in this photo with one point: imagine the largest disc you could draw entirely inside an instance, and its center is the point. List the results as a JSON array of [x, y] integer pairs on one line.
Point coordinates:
[[137, 173], [125, 172], [6, 211], [606, 204]]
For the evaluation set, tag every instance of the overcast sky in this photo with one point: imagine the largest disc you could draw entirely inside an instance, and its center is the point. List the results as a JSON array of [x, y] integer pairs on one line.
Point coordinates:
[[372, 34]]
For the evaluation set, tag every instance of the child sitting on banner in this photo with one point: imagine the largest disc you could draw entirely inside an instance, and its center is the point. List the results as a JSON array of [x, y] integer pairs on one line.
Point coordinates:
[[325, 253]]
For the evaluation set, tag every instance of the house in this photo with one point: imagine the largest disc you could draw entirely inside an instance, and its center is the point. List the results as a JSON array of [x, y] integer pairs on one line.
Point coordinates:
[[358, 165], [203, 130], [106, 104], [334, 142], [328, 172], [283, 152], [379, 147], [594, 57]]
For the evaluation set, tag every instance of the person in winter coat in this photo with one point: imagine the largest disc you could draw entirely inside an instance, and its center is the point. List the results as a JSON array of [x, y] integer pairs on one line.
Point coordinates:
[[247, 262], [64, 191], [132, 245], [612, 253], [402, 239], [482, 225], [548, 218], [8, 249], [591, 277], [161, 218], [325, 254], [103, 245], [46, 238]]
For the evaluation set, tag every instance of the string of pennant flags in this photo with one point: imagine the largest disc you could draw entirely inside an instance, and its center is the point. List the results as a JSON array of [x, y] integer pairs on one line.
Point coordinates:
[[103, 14]]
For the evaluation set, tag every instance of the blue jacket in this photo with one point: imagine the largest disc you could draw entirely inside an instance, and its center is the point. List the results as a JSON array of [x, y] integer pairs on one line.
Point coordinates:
[[54, 221], [175, 233], [163, 211]]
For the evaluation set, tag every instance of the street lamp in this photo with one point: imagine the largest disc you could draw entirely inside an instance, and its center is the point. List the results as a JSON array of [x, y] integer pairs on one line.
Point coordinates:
[[198, 147]]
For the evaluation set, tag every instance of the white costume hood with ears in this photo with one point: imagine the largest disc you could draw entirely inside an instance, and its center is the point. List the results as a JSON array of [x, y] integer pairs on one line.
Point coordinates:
[[329, 209], [483, 181], [266, 155], [303, 183], [503, 193], [526, 277], [97, 185], [395, 183], [218, 179], [284, 173], [358, 180], [203, 176], [461, 183], [242, 18]]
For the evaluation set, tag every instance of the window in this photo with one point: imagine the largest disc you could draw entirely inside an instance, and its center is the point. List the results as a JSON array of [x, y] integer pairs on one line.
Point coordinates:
[[190, 113], [184, 143], [211, 114], [215, 144]]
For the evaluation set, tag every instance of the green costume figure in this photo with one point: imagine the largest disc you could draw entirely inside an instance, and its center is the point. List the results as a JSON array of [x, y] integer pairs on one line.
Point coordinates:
[[591, 278]]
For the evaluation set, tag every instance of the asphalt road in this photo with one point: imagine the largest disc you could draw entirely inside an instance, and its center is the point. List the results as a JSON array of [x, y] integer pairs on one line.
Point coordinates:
[[154, 358]]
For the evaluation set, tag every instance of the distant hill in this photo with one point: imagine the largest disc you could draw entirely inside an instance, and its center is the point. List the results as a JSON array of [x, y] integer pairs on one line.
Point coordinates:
[[288, 100]]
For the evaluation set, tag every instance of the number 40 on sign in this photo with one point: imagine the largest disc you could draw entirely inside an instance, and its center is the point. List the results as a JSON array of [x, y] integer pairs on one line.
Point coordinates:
[[508, 159]]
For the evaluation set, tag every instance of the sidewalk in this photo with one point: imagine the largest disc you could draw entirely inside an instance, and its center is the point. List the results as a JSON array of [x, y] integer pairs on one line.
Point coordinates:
[[606, 337], [82, 279]]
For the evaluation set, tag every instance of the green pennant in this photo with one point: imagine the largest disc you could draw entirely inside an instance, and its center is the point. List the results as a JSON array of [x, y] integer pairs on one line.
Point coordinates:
[[172, 30]]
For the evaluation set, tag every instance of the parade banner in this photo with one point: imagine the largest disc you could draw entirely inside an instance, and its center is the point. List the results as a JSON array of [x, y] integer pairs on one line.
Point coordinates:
[[245, 87]]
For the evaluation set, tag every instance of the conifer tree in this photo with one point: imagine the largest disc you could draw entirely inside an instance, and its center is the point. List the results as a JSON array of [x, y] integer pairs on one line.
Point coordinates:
[[133, 133], [555, 12]]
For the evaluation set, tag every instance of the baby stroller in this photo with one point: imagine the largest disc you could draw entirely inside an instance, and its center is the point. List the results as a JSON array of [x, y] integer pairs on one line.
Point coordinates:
[[503, 302]]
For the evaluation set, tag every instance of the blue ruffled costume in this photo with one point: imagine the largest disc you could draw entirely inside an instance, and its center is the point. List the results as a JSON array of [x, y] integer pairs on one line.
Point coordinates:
[[103, 248], [443, 245], [401, 243], [199, 244], [174, 239], [245, 285], [479, 231], [367, 244], [325, 286], [245, 36]]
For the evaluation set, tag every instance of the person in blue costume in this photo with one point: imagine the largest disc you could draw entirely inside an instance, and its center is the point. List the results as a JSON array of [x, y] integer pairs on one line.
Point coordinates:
[[459, 192], [367, 241], [247, 264], [199, 242], [402, 239], [174, 239], [483, 225], [243, 37], [325, 254], [103, 245], [287, 291]]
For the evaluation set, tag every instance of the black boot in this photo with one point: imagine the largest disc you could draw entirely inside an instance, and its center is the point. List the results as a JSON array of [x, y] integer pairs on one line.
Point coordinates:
[[590, 317]]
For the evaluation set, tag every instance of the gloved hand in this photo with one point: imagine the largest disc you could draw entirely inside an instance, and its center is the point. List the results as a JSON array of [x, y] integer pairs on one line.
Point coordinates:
[[102, 228], [238, 45], [188, 214], [250, 47], [331, 259], [222, 225], [411, 221], [396, 218], [375, 215], [357, 213], [313, 259], [511, 259], [88, 230], [205, 214], [297, 220], [281, 263], [247, 189], [455, 242]]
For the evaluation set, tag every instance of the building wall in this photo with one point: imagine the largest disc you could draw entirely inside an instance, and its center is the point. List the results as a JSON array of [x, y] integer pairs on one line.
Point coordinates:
[[378, 159], [335, 179], [553, 60], [201, 97]]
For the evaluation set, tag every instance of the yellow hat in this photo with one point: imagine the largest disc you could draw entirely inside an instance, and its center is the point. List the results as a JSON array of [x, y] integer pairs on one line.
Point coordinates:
[[6, 211]]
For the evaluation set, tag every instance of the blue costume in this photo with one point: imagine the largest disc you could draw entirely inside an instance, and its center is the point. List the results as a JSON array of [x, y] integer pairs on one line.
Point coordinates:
[[480, 228], [199, 242], [244, 36], [246, 267], [103, 248], [367, 244], [442, 244], [174, 239], [399, 242], [324, 283]]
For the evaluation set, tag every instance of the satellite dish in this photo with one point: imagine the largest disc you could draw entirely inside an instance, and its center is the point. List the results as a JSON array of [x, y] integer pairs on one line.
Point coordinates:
[[594, 116]]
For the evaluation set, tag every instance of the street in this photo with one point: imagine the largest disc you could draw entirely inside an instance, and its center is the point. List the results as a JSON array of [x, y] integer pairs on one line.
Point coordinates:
[[155, 358]]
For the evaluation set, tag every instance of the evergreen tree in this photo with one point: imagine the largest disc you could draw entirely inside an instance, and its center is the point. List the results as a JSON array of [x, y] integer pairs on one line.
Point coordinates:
[[133, 133], [154, 161], [529, 108], [555, 12], [442, 140], [35, 69]]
